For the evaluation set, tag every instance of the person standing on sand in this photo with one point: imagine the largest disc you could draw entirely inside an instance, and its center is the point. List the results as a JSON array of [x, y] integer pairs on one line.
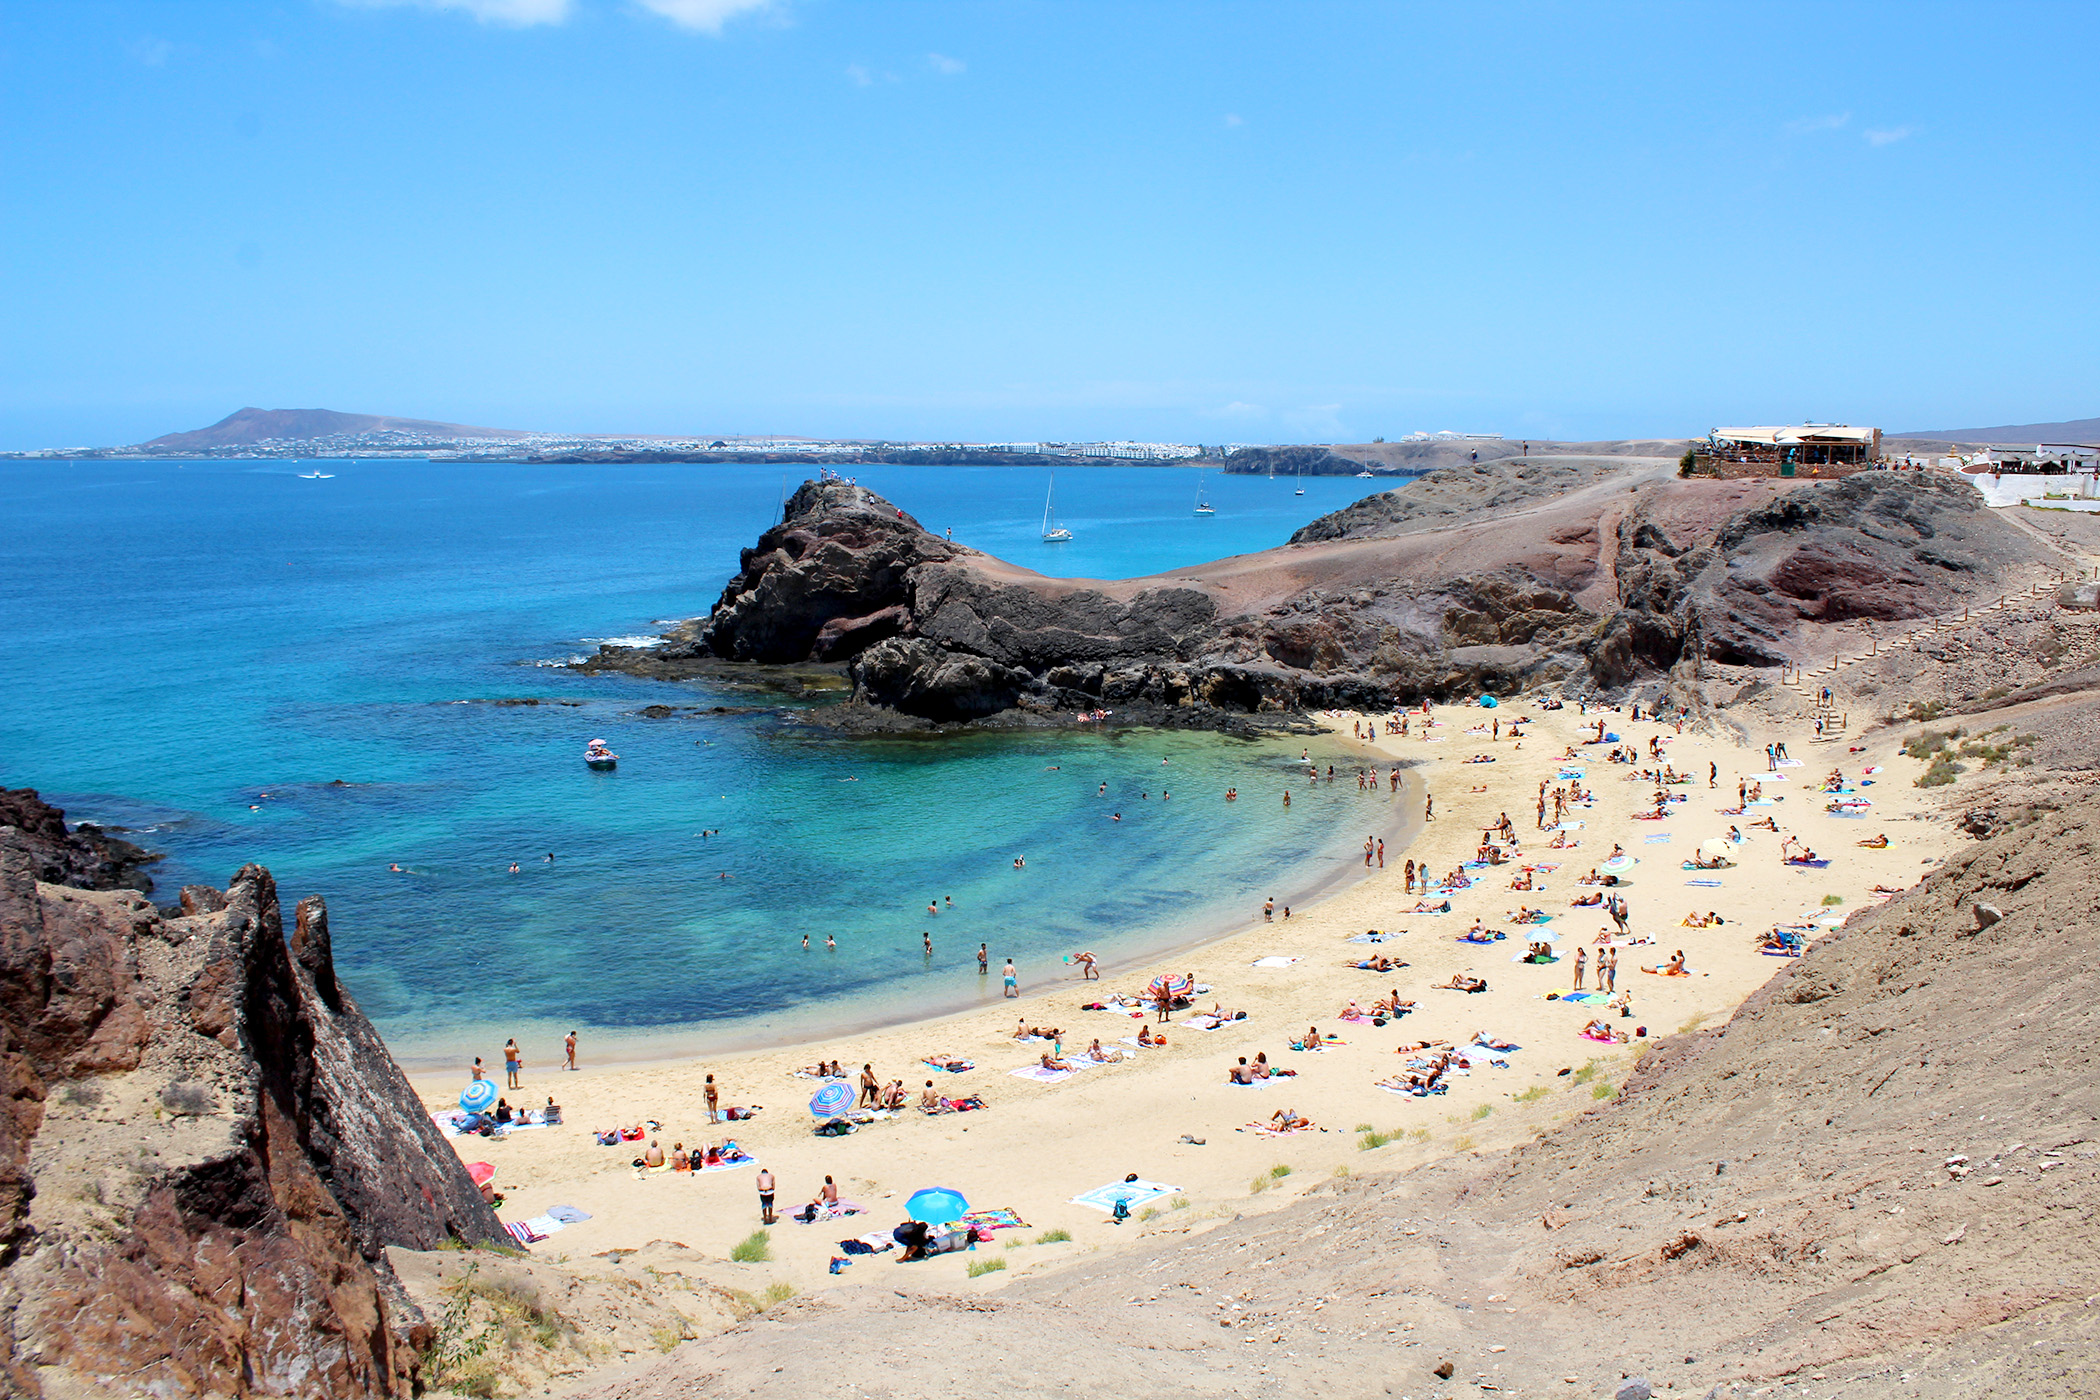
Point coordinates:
[[1381, 853], [714, 1101], [1713, 776], [1367, 853], [1013, 985], [1428, 807], [1581, 960], [1408, 878], [477, 1074], [1087, 970], [870, 1087], [1268, 916], [568, 1045], [511, 1064], [765, 1196], [1608, 971], [984, 961]]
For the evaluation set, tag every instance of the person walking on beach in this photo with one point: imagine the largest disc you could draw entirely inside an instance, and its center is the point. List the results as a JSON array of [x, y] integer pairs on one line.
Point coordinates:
[[765, 1196], [568, 1045], [1428, 807], [1619, 914], [714, 1101], [984, 961], [1713, 776], [1013, 984]]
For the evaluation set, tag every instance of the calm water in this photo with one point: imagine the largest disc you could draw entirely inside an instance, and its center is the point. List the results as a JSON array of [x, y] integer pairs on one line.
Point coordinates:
[[186, 637]]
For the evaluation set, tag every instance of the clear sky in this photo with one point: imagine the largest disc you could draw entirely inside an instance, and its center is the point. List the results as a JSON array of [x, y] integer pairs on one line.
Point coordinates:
[[1294, 221]]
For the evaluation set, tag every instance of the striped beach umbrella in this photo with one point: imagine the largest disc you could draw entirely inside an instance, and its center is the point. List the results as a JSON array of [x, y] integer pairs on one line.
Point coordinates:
[[1172, 983], [478, 1097], [833, 1099]]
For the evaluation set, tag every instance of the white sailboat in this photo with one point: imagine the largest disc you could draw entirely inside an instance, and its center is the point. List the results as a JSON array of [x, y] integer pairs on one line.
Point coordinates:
[[1203, 507], [1301, 481], [1053, 533]]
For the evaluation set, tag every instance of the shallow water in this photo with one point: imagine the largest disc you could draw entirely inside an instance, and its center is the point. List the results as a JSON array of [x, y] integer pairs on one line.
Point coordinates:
[[186, 638]]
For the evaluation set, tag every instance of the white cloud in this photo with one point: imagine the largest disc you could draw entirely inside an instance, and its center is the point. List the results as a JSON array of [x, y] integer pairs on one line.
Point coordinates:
[[1238, 409], [518, 12], [859, 76], [1887, 136], [941, 63], [1803, 126], [707, 16]]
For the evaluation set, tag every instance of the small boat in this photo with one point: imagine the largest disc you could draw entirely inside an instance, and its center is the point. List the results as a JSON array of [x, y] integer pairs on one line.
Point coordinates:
[[317, 476], [1363, 476], [599, 757], [1203, 507], [1301, 482], [1053, 533]]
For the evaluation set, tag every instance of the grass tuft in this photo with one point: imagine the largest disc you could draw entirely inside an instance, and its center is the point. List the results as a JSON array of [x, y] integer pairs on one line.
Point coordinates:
[[754, 1248], [1602, 1090], [1054, 1237], [980, 1267], [1279, 1170], [1481, 1111], [1533, 1094]]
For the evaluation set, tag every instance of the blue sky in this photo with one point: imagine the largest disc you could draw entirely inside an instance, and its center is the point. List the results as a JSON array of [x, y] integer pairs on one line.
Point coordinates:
[[1205, 222]]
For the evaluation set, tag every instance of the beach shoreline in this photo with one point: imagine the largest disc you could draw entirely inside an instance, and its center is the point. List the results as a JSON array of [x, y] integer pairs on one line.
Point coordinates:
[[1304, 888], [1171, 1115]]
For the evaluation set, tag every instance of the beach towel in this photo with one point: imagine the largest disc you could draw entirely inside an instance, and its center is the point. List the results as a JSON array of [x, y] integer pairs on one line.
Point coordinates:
[[1276, 961], [1041, 1075], [1789, 763], [1811, 864], [1579, 998], [568, 1215], [1705, 884], [542, 1226], [522, 1233], [1131, 1193], [1369, 937], [1266, 1131], [1569, 826], [999, 1218], [1656, 840], [953, 1066]]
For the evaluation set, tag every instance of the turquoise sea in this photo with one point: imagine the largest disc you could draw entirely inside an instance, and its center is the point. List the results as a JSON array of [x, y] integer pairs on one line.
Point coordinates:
[[186, 637]]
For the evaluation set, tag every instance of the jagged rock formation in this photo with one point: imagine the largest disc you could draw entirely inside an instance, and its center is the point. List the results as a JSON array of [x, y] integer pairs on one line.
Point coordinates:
[[1888, 1153], [87, 858], [204, 1152], [1496, 576]]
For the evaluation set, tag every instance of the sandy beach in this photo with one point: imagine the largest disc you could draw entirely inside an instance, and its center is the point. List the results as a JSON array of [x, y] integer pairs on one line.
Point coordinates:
[[1036, 1145]]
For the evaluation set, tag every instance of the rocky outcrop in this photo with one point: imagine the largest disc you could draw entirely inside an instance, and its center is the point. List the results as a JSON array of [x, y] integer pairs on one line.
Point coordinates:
[[204, 1152], [1492, 577], [85, 857]]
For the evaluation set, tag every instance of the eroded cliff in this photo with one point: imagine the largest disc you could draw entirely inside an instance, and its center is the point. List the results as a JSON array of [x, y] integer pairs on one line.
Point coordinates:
[[204, 1151]]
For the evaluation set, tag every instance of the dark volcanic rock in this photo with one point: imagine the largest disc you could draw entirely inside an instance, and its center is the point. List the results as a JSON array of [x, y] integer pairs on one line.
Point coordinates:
[[87, 859], [204, 1151]]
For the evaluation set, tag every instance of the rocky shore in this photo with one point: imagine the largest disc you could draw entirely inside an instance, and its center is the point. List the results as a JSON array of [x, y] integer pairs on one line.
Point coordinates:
[[1606, 575], [205, 1149]]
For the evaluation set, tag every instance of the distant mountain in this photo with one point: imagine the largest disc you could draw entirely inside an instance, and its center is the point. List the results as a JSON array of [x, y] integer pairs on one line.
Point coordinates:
[[2077, 430], [253, 425]]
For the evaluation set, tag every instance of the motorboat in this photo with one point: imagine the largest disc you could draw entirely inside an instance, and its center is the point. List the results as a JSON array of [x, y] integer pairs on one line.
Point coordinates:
[[317, 475], [1053, 533], [599, 757]]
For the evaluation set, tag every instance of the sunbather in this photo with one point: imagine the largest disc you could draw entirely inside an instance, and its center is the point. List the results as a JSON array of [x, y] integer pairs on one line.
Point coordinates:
[[1879, 843], [1486, 1041], [1461, 983], [1283, 1120]]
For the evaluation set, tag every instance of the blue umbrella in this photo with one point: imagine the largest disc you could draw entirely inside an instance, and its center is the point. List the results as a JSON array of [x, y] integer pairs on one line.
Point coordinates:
[[833, 1099], [936, 1205], [478, 1097]]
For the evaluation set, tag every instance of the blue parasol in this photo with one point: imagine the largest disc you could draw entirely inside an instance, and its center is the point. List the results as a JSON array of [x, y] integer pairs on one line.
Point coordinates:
[[831, 1100], [937, 1205], [478, 1097]]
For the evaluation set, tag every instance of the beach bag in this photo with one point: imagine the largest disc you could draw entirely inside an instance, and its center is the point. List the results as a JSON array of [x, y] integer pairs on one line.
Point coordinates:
[[1122, 1211]]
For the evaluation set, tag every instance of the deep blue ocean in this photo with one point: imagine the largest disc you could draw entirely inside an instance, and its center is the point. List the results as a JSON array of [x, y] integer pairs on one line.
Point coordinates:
[[184, 638]]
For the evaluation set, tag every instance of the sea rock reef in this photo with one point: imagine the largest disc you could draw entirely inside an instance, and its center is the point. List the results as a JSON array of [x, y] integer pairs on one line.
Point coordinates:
[[86, 856], [205, 1149], [1599, 574]]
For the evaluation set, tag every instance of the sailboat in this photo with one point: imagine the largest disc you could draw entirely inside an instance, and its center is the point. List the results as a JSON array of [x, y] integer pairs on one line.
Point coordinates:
[[1301, 481], [1053, 533], [1203, 507]]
